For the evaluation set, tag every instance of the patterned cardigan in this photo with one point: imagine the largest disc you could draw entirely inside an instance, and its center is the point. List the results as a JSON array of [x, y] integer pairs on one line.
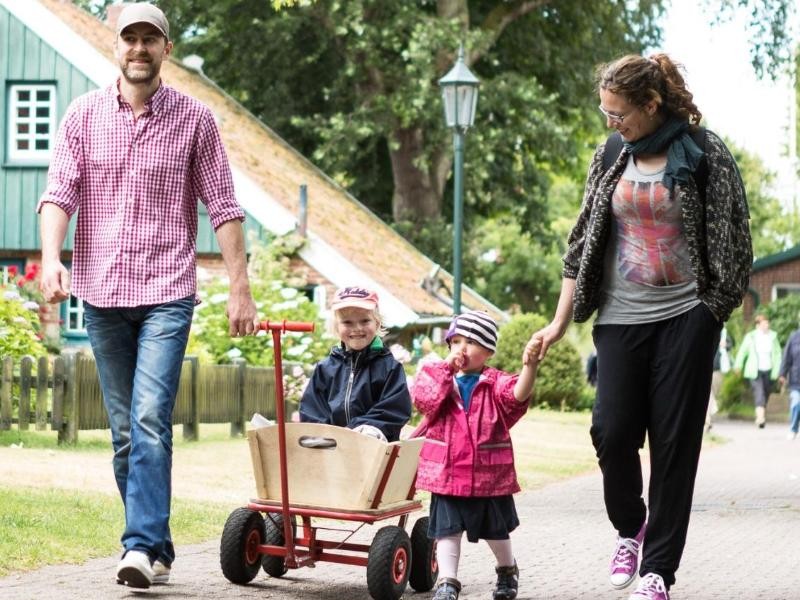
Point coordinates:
[[717, 233]]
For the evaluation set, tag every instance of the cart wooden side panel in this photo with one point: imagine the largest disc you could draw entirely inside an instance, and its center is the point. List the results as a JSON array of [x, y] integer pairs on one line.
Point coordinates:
[[346, 476]]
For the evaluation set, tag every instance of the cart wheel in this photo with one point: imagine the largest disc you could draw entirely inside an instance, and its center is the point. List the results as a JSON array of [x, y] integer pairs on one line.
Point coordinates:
[[424, 568], [388, 563], [274, 566], [238, 550]]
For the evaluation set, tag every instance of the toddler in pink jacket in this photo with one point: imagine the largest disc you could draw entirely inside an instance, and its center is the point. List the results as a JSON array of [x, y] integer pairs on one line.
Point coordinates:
[[467, 461]]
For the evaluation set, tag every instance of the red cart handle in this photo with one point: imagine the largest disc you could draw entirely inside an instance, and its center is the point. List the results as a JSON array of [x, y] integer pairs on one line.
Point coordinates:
[[286, 326]]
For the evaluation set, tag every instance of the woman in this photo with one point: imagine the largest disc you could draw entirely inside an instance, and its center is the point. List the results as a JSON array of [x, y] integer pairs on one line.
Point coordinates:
[[759, 360], [663, 263]]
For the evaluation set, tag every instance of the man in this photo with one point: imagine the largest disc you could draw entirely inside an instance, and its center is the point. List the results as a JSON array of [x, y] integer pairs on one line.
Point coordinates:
[[133, 159], [790, 376]]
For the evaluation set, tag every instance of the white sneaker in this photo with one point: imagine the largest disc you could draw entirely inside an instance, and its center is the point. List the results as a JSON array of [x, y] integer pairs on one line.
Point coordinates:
[[160, 573], [134, 570], [651, 587], [791, 435]]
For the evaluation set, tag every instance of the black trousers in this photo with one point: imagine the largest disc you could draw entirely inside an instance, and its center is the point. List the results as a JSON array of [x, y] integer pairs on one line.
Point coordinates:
[[653, 379], [761, 386]]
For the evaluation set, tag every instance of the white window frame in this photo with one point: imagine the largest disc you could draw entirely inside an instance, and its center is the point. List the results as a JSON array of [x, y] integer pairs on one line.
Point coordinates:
[[4, 279], [791, 288], [31, 154], [320, 298], [74, 307]]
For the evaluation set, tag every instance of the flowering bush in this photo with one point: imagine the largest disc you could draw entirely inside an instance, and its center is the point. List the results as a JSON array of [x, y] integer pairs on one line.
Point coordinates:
[[20, 332], [276, 292], [28, 282]]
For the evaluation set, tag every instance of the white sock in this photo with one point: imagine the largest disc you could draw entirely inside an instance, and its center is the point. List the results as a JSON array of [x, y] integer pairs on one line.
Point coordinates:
[[448, 551], [502, 552]]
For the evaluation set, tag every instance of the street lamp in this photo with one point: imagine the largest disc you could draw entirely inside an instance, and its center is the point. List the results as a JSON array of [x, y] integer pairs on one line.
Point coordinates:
[[460, 96]]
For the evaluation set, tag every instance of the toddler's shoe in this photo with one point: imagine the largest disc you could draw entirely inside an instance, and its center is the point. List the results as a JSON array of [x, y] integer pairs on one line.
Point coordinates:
[[651, 587], [625, 561], [134, 570], [507, 583], [447, 588]]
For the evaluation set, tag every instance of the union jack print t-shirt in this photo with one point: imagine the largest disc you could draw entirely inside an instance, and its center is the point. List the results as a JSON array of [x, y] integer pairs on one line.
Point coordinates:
[[647, 275]]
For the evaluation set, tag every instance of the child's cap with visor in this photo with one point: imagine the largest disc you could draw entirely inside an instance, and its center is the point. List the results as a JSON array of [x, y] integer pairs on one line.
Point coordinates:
[[354, 297], [474, 325]]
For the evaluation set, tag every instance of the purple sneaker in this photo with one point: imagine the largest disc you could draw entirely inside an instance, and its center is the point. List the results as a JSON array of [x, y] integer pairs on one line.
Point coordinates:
[[625, 561], [651, 587]]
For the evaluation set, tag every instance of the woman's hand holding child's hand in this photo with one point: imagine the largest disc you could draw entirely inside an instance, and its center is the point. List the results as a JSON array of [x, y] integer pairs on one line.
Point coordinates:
[[530, 356]]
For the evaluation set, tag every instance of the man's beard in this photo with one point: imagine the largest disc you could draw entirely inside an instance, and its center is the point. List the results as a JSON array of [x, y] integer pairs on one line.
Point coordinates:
[[141, 73]]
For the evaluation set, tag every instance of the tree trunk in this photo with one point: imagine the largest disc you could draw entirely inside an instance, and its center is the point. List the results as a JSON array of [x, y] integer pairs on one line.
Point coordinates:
[[417, 191], [454, 9]]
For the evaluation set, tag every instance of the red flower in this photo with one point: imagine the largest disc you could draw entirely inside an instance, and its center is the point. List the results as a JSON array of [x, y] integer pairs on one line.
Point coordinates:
[[12, 270], [31, 271]]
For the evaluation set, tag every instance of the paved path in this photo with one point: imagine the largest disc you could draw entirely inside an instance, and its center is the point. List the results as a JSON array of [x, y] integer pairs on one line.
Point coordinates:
[[744, 541]]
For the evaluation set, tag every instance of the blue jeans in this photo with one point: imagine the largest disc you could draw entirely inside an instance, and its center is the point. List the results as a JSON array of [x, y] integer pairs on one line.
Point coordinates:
[[794, 409], [139, 353]]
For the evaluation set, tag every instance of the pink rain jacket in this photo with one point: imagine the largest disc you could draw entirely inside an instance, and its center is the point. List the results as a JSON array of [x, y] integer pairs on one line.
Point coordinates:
[[467, 453]]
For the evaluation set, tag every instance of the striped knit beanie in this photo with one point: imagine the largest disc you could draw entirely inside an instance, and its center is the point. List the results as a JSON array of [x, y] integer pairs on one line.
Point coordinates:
[[474, 325]]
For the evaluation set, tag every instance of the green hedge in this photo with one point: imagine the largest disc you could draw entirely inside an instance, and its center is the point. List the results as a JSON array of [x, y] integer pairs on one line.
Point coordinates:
[[560, 383]]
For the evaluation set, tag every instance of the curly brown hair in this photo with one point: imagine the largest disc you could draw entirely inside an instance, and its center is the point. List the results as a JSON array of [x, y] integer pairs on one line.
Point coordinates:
[[641, 80]]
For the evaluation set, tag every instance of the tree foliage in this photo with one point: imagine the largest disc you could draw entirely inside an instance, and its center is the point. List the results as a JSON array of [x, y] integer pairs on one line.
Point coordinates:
[[773, 227], [769, 31], [354, 85]]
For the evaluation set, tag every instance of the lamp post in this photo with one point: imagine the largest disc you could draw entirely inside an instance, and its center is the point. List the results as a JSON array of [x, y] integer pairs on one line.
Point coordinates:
[[460, 96]]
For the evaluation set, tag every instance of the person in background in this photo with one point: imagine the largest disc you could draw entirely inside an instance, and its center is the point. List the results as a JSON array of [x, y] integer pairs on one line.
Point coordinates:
[[759, 361], [467, 460], [360, 385], [132, 160], [789, 376], [663, 262], [722, 364]]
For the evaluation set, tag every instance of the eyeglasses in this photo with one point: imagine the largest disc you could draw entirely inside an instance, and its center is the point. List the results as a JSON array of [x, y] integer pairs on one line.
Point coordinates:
[[613, 117]]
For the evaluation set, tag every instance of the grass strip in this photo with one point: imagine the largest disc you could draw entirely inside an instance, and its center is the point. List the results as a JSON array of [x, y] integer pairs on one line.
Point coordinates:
[[44, 527]]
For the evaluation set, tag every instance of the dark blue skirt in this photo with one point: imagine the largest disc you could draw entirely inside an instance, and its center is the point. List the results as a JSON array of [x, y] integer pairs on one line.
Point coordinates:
[[490, 518]]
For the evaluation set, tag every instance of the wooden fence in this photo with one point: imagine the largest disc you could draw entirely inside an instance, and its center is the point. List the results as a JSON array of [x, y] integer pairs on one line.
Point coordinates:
[[64, 393]]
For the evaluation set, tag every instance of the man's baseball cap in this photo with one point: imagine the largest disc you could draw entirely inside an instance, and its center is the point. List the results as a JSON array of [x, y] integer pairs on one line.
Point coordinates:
[[143, 12], [355, 297]]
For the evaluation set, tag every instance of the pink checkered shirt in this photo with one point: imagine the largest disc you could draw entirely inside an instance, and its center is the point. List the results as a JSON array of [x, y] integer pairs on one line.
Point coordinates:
[[135, 186]]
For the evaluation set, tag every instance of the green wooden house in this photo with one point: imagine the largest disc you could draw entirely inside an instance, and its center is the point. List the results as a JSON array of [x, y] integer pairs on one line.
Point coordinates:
[[51, 52]]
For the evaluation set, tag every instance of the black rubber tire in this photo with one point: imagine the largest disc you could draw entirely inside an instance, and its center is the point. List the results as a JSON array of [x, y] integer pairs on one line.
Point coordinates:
[[238, 549], [424, 568], [388, 563], [274, 566]]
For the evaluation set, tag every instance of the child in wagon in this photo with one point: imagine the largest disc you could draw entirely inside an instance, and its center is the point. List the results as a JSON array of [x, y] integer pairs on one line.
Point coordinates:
[[360, 385], [467, 461]]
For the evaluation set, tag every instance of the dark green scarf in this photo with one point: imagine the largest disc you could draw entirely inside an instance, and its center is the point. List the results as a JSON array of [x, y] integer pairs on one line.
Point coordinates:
[[683, 155]]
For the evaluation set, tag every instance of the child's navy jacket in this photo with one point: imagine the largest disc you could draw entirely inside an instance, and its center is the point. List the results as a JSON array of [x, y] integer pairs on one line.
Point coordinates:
[[356, 388]]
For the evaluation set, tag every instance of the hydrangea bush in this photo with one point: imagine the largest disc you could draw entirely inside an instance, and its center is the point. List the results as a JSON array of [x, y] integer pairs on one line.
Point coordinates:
[[276, 291], [20, 331]]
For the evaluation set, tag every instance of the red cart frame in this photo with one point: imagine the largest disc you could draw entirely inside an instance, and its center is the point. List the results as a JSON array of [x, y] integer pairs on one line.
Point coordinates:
[[393, 559]]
